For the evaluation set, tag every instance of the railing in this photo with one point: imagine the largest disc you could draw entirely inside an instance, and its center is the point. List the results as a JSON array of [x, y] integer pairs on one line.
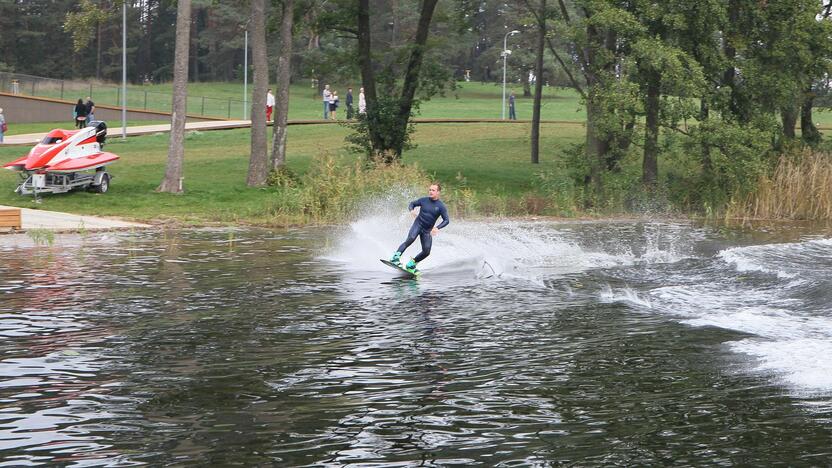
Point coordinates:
[[101, 94]]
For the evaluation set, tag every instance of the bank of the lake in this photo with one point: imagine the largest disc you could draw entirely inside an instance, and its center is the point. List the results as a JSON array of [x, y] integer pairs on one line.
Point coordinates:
[[488, 164]]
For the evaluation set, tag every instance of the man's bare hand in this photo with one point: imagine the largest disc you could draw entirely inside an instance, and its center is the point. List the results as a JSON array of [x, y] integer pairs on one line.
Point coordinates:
[[434, 232], [414, 212]]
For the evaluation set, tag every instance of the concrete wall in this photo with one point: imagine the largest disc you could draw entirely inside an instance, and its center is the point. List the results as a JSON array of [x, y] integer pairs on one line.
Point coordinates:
[[24, 109]]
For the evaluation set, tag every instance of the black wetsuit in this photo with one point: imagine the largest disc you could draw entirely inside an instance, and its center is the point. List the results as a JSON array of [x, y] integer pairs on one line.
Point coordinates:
[[429, 212]]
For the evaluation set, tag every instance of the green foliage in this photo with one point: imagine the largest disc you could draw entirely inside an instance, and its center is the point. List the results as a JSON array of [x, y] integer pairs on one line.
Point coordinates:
[[83, 24], [383, 117], [44, 237], [331, 190]]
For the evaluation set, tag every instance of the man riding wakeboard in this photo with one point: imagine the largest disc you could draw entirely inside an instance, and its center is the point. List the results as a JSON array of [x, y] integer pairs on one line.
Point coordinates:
[[430, 209]]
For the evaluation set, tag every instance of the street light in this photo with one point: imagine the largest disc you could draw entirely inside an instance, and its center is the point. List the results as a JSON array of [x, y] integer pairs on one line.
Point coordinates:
[[124, 71], [245, 74], [505, 55]]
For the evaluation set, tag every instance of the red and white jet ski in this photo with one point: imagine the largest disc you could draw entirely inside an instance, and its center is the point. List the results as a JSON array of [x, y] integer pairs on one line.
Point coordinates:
[[58, 162]]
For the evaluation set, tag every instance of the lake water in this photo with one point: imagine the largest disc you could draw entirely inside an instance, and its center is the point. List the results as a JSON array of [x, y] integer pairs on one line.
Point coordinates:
[[524, 343]]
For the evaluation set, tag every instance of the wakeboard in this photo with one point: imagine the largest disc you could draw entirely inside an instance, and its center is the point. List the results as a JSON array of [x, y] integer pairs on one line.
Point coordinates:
[[406, 273]]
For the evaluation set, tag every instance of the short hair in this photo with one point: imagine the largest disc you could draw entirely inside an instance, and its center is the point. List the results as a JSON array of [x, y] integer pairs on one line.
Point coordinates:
[[438, 185]]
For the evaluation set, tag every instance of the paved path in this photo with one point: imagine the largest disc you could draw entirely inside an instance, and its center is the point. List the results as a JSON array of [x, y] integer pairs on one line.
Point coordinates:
[[53, 220], [30, 139]]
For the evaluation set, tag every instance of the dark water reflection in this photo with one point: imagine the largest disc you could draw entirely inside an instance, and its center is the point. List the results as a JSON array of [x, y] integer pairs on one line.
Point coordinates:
[[216, 347]]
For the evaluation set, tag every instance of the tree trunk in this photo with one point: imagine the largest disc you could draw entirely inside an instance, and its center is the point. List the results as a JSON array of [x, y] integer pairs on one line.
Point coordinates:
[[284, 73], [704, 115], [411, 78], [195, 48], [172, 182], [596, 146], [538, 83], [730, 74], [789, 115], [258, 164], [527, 89], [98, 54], [809, 132], [368, 79], [650, 167]]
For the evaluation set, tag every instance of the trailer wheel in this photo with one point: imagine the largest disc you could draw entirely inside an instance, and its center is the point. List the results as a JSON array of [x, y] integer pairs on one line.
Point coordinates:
[[104, 185]]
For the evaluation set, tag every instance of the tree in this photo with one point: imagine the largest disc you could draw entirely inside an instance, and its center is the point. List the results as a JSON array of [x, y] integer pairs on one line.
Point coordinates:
[[82, 24], [540, 15], [388, 119], [258, 166], [172, 183], [284, 75]]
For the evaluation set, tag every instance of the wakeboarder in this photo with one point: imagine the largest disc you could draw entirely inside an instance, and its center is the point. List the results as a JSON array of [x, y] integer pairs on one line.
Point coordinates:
[[430, 209]]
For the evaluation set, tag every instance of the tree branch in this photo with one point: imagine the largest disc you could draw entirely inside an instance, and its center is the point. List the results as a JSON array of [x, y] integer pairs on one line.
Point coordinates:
[[565, 68]]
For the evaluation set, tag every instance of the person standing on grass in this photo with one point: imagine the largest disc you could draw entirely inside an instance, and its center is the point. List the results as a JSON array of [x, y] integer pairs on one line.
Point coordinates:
[[349, 104], [362, 103], [326, 95], [512, 115], [80, 114], [90, 110], [430, 209], [3, 125], [269, 104], [333, 105]]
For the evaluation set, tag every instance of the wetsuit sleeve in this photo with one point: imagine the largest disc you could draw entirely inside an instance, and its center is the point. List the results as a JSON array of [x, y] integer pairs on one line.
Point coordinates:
[[445, 218], [414, 204]]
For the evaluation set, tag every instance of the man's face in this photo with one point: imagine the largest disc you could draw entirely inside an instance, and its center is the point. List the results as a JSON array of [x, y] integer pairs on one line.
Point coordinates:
[[433, 192]]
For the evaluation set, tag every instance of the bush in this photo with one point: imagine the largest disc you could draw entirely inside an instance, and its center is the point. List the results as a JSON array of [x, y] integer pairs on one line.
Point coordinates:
[[331, 191]]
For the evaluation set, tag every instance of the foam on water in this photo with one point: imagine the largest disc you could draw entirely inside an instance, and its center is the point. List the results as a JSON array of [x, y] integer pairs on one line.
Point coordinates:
[[785, 260], [784, 303], [626, 295], [802, 363], [480, 249]]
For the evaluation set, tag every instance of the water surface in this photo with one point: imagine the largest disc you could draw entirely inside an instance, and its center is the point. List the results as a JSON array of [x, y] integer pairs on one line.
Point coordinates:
[[596, 344]]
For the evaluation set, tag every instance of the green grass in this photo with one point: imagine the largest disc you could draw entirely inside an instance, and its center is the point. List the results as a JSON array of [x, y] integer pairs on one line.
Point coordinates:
[[492, 158], [222, 99], [43, 127]]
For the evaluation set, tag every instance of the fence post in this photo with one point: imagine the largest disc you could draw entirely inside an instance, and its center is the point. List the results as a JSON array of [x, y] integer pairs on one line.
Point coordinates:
[[33, 87], [229, 108], [90, 90], [203, 106], [145, 100], [62, 89], [118, 95]]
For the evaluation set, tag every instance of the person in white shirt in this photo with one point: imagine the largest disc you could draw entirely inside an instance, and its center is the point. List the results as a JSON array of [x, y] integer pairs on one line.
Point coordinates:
[[362, 103], [269, 104], [333, 105], [326, 96]]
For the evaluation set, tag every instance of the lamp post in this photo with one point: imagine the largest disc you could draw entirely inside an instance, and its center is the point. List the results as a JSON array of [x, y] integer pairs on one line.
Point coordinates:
[[505, 54], [245, 75], [124, 71]]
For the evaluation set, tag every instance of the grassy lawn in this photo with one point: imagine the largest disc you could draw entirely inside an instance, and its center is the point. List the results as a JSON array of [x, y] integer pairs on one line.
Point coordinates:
[[222, 99], [490, 157]]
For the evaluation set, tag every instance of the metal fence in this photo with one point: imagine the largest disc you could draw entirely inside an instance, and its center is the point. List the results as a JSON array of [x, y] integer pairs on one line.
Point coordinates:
[[101, 94]]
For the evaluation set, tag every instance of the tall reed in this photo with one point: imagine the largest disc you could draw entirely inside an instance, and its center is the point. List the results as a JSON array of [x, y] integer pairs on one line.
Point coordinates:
[[799, 188], [331, 190]]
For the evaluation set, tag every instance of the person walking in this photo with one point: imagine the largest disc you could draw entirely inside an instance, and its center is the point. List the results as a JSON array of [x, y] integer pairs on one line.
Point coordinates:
[[90, 110], [362, 103], [326, 95], [333, 105], [3, 125], [349, 104], [512, 115], [80, 114], [430, 209], [269, 104]]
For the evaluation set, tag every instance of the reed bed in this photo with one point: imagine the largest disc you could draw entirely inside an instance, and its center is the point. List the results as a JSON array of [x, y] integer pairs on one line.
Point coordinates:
[[799, 188]]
